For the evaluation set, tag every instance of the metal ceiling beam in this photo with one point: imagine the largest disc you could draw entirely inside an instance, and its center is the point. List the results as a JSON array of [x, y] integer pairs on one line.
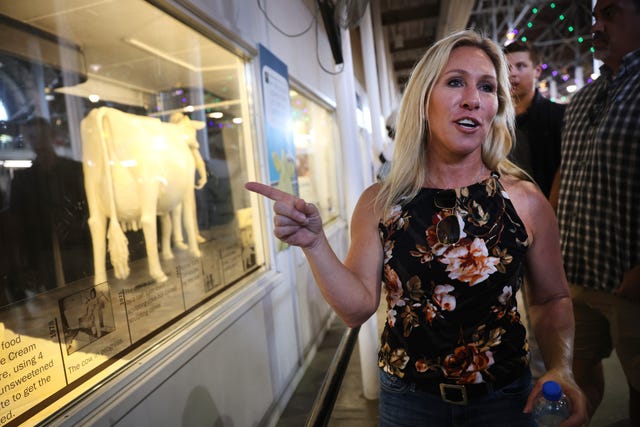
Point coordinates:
[[495, 17], [399, 16], [407, 30], [404, 65], [417, 43]]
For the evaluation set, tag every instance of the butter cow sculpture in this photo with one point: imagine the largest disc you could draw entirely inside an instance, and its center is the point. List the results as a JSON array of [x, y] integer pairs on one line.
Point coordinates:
[[172, 224], [135, 168]]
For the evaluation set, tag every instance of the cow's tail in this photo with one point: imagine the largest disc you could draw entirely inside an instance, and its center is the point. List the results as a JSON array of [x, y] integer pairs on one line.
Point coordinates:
[[117, 240]]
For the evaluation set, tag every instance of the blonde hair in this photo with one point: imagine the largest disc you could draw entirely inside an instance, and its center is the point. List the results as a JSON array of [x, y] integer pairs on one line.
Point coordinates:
[[407, 173]]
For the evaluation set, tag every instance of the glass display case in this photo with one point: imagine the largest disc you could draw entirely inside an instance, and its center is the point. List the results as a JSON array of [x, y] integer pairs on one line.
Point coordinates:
[[125, 141]]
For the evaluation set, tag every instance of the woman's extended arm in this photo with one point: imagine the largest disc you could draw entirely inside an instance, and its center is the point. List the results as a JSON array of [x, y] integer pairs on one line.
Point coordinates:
[[351, 288]]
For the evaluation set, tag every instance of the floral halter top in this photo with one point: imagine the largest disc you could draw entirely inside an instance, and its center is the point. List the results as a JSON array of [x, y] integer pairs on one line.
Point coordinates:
[[451, 307]]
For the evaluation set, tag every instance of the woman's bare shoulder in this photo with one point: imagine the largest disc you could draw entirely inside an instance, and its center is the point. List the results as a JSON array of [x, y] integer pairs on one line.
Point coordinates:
[[370, 194], [521, 189], [368, 201], [530, 203]]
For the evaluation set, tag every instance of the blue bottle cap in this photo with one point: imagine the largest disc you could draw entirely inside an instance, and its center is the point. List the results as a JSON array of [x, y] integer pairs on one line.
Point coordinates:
[[551, 390]]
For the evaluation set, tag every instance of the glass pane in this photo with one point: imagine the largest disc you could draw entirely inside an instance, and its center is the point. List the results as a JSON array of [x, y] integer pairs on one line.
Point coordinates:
[[124, 144], [315, 136]]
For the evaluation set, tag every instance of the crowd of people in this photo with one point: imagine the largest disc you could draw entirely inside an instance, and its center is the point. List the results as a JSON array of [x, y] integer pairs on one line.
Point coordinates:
[[462, 218]]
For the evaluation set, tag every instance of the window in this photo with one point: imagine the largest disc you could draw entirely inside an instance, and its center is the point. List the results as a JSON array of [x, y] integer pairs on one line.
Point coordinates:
[[124, 144], [315, 135]]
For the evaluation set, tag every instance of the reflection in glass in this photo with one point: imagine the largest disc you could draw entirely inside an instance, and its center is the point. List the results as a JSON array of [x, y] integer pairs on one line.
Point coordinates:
[[61, 64]]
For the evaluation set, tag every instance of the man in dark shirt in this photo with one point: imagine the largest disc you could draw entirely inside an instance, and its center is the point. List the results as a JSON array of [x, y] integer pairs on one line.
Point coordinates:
[[538, 120], [49, 211]]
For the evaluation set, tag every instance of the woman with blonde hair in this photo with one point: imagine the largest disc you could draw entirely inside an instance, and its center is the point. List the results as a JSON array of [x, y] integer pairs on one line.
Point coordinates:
[[448, 234]]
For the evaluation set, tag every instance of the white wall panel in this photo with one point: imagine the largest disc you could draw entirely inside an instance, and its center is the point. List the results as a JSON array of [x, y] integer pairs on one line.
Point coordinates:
[[232, 380], [247, 23], [226, 383]]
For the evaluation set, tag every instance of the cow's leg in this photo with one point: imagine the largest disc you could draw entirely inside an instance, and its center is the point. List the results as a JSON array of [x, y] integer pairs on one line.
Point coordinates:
[[149, 200], [189, 208], [178, 237], [98, 228], [165, 243], [199, 237]]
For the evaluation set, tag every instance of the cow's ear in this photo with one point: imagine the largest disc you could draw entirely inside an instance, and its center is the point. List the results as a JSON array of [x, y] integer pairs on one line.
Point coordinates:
[[177, 118], [197, 124]]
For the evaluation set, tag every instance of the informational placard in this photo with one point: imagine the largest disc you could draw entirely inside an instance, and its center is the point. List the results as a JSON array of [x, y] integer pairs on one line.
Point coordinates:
[[93, 329], [231, 258], [245, 225], [31, 369], [211, 275], [53, 339], [69, 333], [149, 305], [191, 278], [277, 114]]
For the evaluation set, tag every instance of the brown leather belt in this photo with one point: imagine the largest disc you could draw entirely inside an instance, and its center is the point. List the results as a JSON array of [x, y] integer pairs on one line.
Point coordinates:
[[458, 394], [461, 394]]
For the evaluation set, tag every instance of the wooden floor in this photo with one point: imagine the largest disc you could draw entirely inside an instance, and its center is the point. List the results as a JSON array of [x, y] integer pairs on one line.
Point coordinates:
[[351, 409]]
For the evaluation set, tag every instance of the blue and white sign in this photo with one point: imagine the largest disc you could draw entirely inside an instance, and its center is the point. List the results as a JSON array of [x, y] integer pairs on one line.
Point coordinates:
[[278, 124]]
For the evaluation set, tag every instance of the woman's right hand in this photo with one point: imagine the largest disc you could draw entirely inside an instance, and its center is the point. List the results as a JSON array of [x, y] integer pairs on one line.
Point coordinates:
[[296, 222]]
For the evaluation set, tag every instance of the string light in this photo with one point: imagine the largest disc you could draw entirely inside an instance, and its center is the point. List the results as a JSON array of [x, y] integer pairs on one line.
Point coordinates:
[[514, 32], [570, 28]]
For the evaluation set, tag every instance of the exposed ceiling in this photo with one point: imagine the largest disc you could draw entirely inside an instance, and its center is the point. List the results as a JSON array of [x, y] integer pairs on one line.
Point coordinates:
[[141, 52], [411, 26]]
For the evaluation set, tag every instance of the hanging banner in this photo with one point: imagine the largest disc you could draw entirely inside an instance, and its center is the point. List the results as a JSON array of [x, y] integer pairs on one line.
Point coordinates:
[[277, 117]]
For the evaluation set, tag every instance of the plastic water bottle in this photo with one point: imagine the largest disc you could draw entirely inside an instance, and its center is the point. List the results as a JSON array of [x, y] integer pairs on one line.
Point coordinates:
[[552, 407]]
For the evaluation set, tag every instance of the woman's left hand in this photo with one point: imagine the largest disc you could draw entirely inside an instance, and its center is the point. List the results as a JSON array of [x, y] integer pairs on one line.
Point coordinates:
[[579, 414]]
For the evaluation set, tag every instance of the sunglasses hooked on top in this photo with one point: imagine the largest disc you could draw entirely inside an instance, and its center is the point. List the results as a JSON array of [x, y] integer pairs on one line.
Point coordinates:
[[448, 229]]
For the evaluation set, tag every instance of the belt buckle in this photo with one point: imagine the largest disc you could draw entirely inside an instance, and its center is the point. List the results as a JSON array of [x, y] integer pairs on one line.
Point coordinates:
[[454, 393]]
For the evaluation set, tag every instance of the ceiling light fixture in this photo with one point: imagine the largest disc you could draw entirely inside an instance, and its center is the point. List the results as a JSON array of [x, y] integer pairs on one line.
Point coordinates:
[[174, 60]]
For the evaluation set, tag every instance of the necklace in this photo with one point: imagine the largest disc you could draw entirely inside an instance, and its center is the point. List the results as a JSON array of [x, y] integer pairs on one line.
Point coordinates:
[[481, 172]]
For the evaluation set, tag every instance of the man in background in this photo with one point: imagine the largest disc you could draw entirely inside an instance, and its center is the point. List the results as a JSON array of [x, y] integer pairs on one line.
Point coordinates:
[[599, 205], [49, 209], [538, 120]]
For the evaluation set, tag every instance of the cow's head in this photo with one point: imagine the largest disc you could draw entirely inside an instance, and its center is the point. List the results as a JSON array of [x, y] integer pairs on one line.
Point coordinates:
[[181, 119]]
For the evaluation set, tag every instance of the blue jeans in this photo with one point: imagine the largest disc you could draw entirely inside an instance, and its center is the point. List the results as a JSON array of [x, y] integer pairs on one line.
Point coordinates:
[[402, 405]]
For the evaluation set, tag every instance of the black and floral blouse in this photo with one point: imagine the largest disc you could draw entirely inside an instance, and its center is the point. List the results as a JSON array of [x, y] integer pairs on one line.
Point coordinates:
[[451, 308]]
